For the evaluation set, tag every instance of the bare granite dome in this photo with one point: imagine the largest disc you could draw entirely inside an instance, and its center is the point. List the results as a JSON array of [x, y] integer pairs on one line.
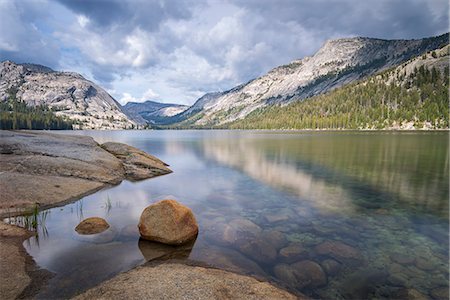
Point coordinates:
[[69, 93]]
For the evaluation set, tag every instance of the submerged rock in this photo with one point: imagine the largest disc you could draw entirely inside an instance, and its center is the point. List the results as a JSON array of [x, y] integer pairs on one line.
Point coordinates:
[[286, 274], [424, 264], [281, 215], [168, 222], [276, 238], [259, 250], [338, 251], [409, 294], [303, 274], [92, 225], [440, 293], [402, 259], [330, 266], [293, 252], [227, 259], [362, 283], [309, 274]]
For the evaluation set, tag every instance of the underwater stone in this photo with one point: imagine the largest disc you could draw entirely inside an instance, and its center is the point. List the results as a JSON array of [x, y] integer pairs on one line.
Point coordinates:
[[293, 252], [259, 250], [409, 294], [286, 274], [423, 264], [276, 238], [361, 283], [330, 266], [309, 274], [402, 258], [338, 250], [440, 293]]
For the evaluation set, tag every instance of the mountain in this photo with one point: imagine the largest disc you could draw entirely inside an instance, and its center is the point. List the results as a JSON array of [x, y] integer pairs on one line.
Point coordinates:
[[67, 94], [153, 112], [338, 62], [413, 95]]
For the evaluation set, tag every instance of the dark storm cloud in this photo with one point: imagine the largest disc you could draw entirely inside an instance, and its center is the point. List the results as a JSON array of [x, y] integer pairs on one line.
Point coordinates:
[[143, 13], [180, 49], [389, 19]]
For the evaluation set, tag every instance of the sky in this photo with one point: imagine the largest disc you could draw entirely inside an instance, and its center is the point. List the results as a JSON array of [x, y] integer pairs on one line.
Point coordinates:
[[176, 51]]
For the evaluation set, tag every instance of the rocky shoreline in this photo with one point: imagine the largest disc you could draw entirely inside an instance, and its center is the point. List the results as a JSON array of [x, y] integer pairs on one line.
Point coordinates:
[[39, 170]]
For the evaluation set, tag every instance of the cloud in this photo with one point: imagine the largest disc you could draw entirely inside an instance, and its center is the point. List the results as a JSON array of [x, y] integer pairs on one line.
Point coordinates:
[[180, 50], [21, 36], [148, 95]]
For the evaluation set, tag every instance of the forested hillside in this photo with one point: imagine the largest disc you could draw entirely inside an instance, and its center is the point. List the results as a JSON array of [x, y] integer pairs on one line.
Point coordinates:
[[411, 96], [15, 114]]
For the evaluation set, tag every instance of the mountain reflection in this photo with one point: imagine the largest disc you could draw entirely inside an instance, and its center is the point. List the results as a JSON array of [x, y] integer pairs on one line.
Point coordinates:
[[334, 171]]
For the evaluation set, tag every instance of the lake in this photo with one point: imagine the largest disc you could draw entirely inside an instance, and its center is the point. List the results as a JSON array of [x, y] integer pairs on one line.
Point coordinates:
[[333, 215]]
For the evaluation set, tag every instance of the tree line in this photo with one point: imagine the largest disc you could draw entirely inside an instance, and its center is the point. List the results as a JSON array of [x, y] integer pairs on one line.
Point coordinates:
[[16, 114], [378, 102]]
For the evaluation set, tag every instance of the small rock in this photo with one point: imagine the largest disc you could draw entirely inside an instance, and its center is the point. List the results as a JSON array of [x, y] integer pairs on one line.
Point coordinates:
[[402, 259], [331, 266], [245, 227], [309, 274], [397, 268], [440, 293], [92, 226], [229, 234], [293, 252], [398, 279], [259, 250], [279, 215], [423, 264], [409, 294], [227, 259], [286, 274], [338, 251], [361, 283], [275, 238], [168, 222]]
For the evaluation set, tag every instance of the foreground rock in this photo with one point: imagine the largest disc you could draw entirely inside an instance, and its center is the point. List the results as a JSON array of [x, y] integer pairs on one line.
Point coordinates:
[[92, 226], [16, 267], [48, 169], [168, 222], [178, 281]]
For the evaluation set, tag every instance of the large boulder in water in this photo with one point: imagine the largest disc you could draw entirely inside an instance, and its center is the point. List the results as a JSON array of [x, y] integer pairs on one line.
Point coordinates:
[[168, 222], [92, 226]]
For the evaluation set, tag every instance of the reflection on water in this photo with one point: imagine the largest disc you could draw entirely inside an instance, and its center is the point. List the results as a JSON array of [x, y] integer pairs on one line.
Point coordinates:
[[331, 215]]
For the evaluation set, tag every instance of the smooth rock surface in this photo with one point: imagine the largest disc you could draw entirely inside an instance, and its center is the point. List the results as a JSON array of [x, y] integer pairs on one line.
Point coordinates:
[[178, 281], [70, 94], [48, 168], [13, 279], [92, 225], [168, 222], [138, 164]]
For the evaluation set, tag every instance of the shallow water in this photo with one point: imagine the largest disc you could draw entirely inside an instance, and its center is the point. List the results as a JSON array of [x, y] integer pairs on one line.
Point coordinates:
[[329, 214]]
